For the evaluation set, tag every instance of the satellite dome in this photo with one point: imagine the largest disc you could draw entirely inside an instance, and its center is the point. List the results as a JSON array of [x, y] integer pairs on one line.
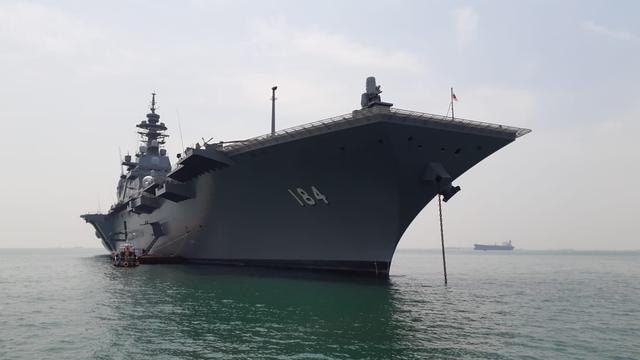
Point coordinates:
[[147, 181]]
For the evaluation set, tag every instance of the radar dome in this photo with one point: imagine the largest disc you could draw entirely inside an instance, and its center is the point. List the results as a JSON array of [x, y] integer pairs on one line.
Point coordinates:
[[147, 181]]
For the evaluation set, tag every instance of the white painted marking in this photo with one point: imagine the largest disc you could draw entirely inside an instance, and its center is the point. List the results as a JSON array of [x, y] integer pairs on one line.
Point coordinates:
[[295, 197], [308, 199], [319, 196]]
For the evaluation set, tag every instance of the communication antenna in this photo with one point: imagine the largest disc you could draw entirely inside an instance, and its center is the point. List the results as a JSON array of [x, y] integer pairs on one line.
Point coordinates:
[[273, 110], [206, 142], [120, 155], [180, 128], [153, 107]]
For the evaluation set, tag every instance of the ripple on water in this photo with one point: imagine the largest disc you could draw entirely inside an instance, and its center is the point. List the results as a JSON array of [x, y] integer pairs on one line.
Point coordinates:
[[73, 305]]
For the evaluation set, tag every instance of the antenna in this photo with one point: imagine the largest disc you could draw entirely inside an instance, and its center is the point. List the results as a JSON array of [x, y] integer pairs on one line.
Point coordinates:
[[452, 97], [206, 142], [273, 110], [153, 103], [180, 129], [120, 155]]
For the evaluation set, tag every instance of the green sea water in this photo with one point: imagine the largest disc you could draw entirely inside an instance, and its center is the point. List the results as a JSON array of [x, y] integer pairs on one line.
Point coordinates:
[[72, 304]]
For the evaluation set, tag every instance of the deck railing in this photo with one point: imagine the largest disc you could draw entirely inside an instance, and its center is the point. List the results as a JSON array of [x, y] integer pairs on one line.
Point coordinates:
[[348, 120], [474, 123]]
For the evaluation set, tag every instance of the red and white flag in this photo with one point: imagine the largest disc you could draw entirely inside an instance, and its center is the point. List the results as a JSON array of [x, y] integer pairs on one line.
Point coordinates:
[[454, 97]]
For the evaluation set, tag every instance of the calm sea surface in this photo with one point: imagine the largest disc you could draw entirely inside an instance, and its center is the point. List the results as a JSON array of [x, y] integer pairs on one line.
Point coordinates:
[[72, 304]]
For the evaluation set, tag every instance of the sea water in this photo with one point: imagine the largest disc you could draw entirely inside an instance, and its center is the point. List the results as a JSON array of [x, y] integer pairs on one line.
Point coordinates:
[[73, 304]]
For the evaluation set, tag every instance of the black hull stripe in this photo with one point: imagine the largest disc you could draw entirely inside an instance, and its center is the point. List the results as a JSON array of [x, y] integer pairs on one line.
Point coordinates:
[[375, 268]]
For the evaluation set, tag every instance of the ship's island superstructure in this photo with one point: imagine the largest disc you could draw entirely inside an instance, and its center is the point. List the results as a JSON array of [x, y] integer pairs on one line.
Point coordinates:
[[335, 194]]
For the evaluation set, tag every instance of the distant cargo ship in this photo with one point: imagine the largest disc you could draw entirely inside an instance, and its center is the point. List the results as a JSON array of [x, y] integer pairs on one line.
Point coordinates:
[[504, 246]]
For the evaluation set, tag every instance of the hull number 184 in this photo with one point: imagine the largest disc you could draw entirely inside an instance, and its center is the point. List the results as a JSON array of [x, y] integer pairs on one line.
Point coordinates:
[[304, 197]]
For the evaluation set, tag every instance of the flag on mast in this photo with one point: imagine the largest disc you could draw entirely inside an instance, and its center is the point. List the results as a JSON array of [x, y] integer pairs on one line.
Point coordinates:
[[453, 98]]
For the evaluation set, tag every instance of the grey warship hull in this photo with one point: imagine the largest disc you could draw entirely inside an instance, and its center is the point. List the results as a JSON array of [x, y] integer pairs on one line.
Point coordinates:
[[336, 194]]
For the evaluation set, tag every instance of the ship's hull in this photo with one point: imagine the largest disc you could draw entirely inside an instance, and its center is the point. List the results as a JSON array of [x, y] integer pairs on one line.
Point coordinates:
[[337, 201], [492, 247]]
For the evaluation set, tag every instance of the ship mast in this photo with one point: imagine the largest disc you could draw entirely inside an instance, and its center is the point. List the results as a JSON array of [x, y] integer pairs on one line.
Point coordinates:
[[152, 129], [273, 110], [153, 103]]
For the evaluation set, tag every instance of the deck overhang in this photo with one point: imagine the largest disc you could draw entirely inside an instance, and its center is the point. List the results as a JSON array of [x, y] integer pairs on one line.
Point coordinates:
[[373, 115]]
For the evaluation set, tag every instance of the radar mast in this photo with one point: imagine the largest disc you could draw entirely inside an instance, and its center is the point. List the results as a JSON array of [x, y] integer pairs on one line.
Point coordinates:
[[152, 130]]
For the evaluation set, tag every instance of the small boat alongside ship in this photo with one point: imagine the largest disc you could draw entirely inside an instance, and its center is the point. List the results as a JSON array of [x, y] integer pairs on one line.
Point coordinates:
[[125, 256], [504, 246]]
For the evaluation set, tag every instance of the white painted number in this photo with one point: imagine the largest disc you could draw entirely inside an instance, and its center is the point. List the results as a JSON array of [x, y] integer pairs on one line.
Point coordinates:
[[303, 196], [308, 199], [319, 196], [295, 197]]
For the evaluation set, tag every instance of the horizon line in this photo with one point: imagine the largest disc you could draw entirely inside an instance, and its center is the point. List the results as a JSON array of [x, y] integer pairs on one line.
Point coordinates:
[[398, 249]]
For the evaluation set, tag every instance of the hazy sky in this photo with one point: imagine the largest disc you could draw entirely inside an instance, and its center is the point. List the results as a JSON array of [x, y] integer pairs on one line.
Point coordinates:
[[76, 77]]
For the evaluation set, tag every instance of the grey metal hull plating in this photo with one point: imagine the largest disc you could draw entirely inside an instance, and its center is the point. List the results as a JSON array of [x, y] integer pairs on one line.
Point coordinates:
[[372, 176]]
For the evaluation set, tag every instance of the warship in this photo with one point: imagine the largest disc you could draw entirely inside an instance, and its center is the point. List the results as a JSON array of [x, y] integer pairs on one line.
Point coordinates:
[[335, 194]]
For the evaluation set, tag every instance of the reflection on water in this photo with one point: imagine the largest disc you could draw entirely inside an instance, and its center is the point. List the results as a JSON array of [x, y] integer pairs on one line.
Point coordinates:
[[201, 311], [75, 305]]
